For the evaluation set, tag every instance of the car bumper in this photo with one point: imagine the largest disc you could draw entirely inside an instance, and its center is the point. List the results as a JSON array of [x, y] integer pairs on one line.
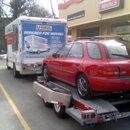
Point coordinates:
[[109, 85]]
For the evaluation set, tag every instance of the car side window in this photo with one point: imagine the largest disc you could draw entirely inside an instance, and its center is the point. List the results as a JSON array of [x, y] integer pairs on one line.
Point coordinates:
[[64, 51], [94, 51], [76, 51]]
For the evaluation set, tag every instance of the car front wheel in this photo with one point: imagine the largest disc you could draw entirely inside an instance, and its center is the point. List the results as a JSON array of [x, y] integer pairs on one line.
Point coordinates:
[[83, 87], [46, 73]]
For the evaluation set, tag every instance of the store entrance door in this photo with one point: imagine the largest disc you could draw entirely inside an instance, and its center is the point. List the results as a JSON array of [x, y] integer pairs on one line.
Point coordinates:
[[90, 32]]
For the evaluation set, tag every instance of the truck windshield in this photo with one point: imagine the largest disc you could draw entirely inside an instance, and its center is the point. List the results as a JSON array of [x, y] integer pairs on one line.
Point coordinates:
[[116, 49]]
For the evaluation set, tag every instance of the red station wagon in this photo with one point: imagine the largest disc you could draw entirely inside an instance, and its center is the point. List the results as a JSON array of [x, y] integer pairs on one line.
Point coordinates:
[[100, 64]]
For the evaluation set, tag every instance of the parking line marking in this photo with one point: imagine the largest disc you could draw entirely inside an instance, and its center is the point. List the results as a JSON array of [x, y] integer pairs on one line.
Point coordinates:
[[17, 112], [1, 67]]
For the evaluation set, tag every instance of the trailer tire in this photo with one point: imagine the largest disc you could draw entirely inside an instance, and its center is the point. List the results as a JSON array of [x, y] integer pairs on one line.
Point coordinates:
[[59, 110], [46, 73], [84, 91], [48, 105], [15, 72]]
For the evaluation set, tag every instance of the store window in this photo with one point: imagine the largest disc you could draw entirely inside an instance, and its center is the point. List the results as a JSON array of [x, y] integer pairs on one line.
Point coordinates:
[[90, 32], [120, 27]]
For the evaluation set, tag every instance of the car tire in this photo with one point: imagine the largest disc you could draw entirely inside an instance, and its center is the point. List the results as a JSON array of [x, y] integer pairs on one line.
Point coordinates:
[[15, 72], [48, 105], [59, 110], [83, 87], [46, 74]]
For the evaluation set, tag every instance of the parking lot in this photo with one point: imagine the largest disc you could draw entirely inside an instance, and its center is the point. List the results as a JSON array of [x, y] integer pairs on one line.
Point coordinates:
[[21, 108]]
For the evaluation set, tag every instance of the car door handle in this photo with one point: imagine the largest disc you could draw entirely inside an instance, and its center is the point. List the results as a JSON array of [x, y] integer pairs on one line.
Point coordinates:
[[77, 64], [60, 62]]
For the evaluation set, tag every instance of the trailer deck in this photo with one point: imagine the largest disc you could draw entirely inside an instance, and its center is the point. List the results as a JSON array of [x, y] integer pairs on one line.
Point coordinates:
[[86, 112]]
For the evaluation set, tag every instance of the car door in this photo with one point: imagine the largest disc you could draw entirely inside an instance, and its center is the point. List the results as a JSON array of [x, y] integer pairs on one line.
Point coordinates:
[[73, 62], [55, 64]]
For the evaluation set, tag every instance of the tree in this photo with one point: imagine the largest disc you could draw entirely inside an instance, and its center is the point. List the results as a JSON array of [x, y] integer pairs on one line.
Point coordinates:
[[3, 8], [35, 10], [27, 7], [19, 7]]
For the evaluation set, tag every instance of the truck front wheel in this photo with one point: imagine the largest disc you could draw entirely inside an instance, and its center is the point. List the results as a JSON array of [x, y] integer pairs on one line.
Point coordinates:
[[59, 110], [7, 64], [15, 72]]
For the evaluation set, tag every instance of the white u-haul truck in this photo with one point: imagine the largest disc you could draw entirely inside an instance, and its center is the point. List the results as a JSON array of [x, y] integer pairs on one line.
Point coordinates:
[[30, 40]]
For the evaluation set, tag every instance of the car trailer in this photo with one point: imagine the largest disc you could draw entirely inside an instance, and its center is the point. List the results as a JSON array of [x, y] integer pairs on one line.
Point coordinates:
[[66, 100]]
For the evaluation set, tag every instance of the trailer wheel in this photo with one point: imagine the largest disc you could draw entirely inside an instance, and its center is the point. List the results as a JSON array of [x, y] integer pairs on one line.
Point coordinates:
[[83, 87], [48, 105], [59, 110], [15, 72], [46, 73]]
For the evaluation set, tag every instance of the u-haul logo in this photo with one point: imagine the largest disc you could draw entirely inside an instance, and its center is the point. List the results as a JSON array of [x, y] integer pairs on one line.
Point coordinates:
[[43, 28]]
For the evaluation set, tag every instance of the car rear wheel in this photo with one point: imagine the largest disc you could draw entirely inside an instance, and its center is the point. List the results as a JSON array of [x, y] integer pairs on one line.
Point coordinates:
[[46, 73], [83, 87]]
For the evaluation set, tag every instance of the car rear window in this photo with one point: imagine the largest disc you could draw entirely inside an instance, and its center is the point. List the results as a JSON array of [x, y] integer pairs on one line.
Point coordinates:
[[117, 49]]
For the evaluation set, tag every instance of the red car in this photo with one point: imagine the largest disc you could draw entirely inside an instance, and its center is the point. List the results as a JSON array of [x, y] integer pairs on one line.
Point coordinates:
[[91, 64]]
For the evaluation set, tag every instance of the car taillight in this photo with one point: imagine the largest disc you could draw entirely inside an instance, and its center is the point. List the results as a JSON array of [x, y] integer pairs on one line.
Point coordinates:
[[108, 71]]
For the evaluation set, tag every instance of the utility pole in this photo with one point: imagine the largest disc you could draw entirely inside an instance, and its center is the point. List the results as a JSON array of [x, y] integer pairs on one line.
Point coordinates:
[[52, 9]]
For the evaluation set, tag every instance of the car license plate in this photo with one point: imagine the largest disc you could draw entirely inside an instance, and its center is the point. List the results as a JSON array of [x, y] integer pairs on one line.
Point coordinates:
[[35, 69]]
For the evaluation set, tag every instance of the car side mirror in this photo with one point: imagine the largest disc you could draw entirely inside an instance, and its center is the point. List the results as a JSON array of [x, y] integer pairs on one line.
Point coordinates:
[[54, 55]]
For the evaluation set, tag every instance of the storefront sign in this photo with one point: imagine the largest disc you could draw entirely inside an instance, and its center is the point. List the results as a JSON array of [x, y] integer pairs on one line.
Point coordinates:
[[109, 5], [76, 15]]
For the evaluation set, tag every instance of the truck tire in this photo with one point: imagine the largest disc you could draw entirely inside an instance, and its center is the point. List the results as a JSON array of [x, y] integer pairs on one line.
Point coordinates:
[[46, 73], [7, 64], [15, 72], [83, 87], [59, 110], [48, 105]]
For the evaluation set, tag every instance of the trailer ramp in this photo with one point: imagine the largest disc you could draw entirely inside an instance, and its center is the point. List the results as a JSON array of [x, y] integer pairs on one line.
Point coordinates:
[[98, 104]]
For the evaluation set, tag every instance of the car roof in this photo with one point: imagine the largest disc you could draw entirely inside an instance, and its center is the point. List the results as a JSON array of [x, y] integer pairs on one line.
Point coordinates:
[[97, 38]]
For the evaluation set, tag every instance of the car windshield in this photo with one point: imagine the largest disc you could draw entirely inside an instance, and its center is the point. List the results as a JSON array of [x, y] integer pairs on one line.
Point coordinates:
[[117, 49]]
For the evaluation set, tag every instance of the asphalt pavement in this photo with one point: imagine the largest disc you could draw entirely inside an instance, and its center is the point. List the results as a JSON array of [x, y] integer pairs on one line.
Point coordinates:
[[22, 109]]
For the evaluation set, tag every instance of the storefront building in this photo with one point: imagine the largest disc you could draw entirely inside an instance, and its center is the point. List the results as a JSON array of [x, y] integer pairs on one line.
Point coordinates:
[[97, 17]]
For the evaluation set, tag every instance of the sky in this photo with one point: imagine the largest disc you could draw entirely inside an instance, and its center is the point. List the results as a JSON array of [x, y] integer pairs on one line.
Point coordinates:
[[46, 5]]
